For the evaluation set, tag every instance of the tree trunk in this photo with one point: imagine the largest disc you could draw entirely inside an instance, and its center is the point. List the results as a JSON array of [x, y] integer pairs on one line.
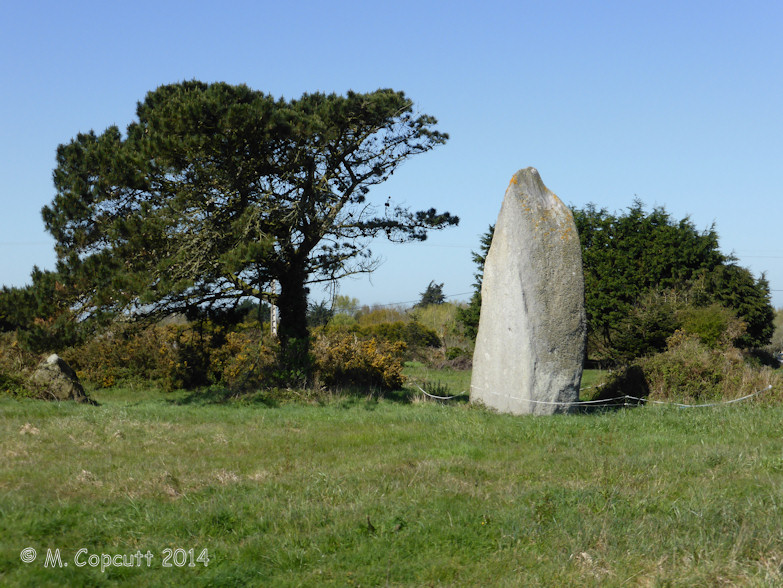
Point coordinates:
[[293, 333]]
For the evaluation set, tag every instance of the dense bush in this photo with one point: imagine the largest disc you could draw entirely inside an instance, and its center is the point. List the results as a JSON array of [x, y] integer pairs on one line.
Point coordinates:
[[344, 359], [689, 370], [714, 325], [443, 320], [173, 356], [411, 333], [658, 315], [384, 314], [776, 344], [194, 355], [246, 361], [16, 365], [644, 330]]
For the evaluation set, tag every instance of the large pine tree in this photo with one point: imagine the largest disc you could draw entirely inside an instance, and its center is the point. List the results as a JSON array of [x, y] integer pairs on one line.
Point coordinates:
[[217, 190]]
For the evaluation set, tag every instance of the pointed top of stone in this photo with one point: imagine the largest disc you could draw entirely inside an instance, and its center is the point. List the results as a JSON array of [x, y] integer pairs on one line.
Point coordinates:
[[528, 183]]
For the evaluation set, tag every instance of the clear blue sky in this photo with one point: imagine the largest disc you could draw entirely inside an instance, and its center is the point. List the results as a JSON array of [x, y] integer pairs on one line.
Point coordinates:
[[677, 103]]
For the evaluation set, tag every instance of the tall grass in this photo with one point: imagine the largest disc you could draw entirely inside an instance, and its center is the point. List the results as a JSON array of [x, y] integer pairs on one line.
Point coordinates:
[[364, 492]]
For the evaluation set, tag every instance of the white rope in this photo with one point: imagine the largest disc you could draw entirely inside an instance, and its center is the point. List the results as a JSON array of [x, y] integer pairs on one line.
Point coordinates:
[[439, 397], [606, 401], [627, 397], [756, 393]]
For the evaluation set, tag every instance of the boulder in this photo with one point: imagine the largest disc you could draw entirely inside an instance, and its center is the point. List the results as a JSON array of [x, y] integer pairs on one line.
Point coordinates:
[[531, 338], [54, 379]]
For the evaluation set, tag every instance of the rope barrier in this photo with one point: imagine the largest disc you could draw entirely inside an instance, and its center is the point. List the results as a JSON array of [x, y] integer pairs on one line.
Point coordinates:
[[614, 400], [423, 391], [722, 402]]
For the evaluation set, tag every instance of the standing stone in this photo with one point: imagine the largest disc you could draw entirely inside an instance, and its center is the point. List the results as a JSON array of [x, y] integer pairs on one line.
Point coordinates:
[[531, 338], [54, 379]]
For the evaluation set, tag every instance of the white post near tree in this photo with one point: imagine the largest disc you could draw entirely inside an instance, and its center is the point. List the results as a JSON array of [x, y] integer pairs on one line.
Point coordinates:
[[274, 313]]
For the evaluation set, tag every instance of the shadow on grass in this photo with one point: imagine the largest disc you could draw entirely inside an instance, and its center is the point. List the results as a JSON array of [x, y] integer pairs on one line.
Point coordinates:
[[275, 397], [626, 389], [221, 395]]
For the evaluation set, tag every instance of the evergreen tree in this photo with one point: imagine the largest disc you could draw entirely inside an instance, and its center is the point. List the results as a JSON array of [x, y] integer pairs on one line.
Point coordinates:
[[432, 295], [41, 313], [319, 314], [469, 316], [625, 257], [216, 191]]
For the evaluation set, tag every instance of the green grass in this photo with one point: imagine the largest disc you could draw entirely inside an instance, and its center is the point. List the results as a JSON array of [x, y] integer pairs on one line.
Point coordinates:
[[366, 492], [441, 382], [590, 379]]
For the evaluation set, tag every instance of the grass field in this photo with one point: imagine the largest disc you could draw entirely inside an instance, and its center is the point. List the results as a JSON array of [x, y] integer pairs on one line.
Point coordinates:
[[371, 492]]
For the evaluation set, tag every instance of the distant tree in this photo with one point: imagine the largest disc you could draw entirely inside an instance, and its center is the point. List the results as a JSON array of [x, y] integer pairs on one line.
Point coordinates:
[[469, 316], [319, 314], [432, 295], [216, 191], [345, 305]]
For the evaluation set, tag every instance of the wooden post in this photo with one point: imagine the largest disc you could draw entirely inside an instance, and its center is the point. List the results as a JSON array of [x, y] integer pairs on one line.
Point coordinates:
[[274, 315]]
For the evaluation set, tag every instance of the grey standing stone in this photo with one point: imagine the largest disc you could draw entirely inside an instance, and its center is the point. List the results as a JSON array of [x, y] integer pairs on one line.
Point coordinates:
[[530, 346], [55, 379]]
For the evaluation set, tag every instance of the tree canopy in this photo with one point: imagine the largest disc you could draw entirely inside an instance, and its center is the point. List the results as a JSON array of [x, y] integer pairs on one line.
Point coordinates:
[[217, 190], [627, 256]]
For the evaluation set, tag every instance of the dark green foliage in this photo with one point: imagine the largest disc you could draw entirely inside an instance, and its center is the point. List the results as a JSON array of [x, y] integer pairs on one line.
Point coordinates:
[[629, 258], [735, 287], [455, 352], [469, 316], [41, 313], [432, 295], [216, 191], [250, 310], [657, 315], [626, 256], [714, 325], [318, 314], [647, 326]]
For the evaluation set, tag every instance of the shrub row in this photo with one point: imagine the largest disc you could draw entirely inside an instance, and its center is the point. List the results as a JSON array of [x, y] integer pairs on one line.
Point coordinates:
[[177, 356]]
